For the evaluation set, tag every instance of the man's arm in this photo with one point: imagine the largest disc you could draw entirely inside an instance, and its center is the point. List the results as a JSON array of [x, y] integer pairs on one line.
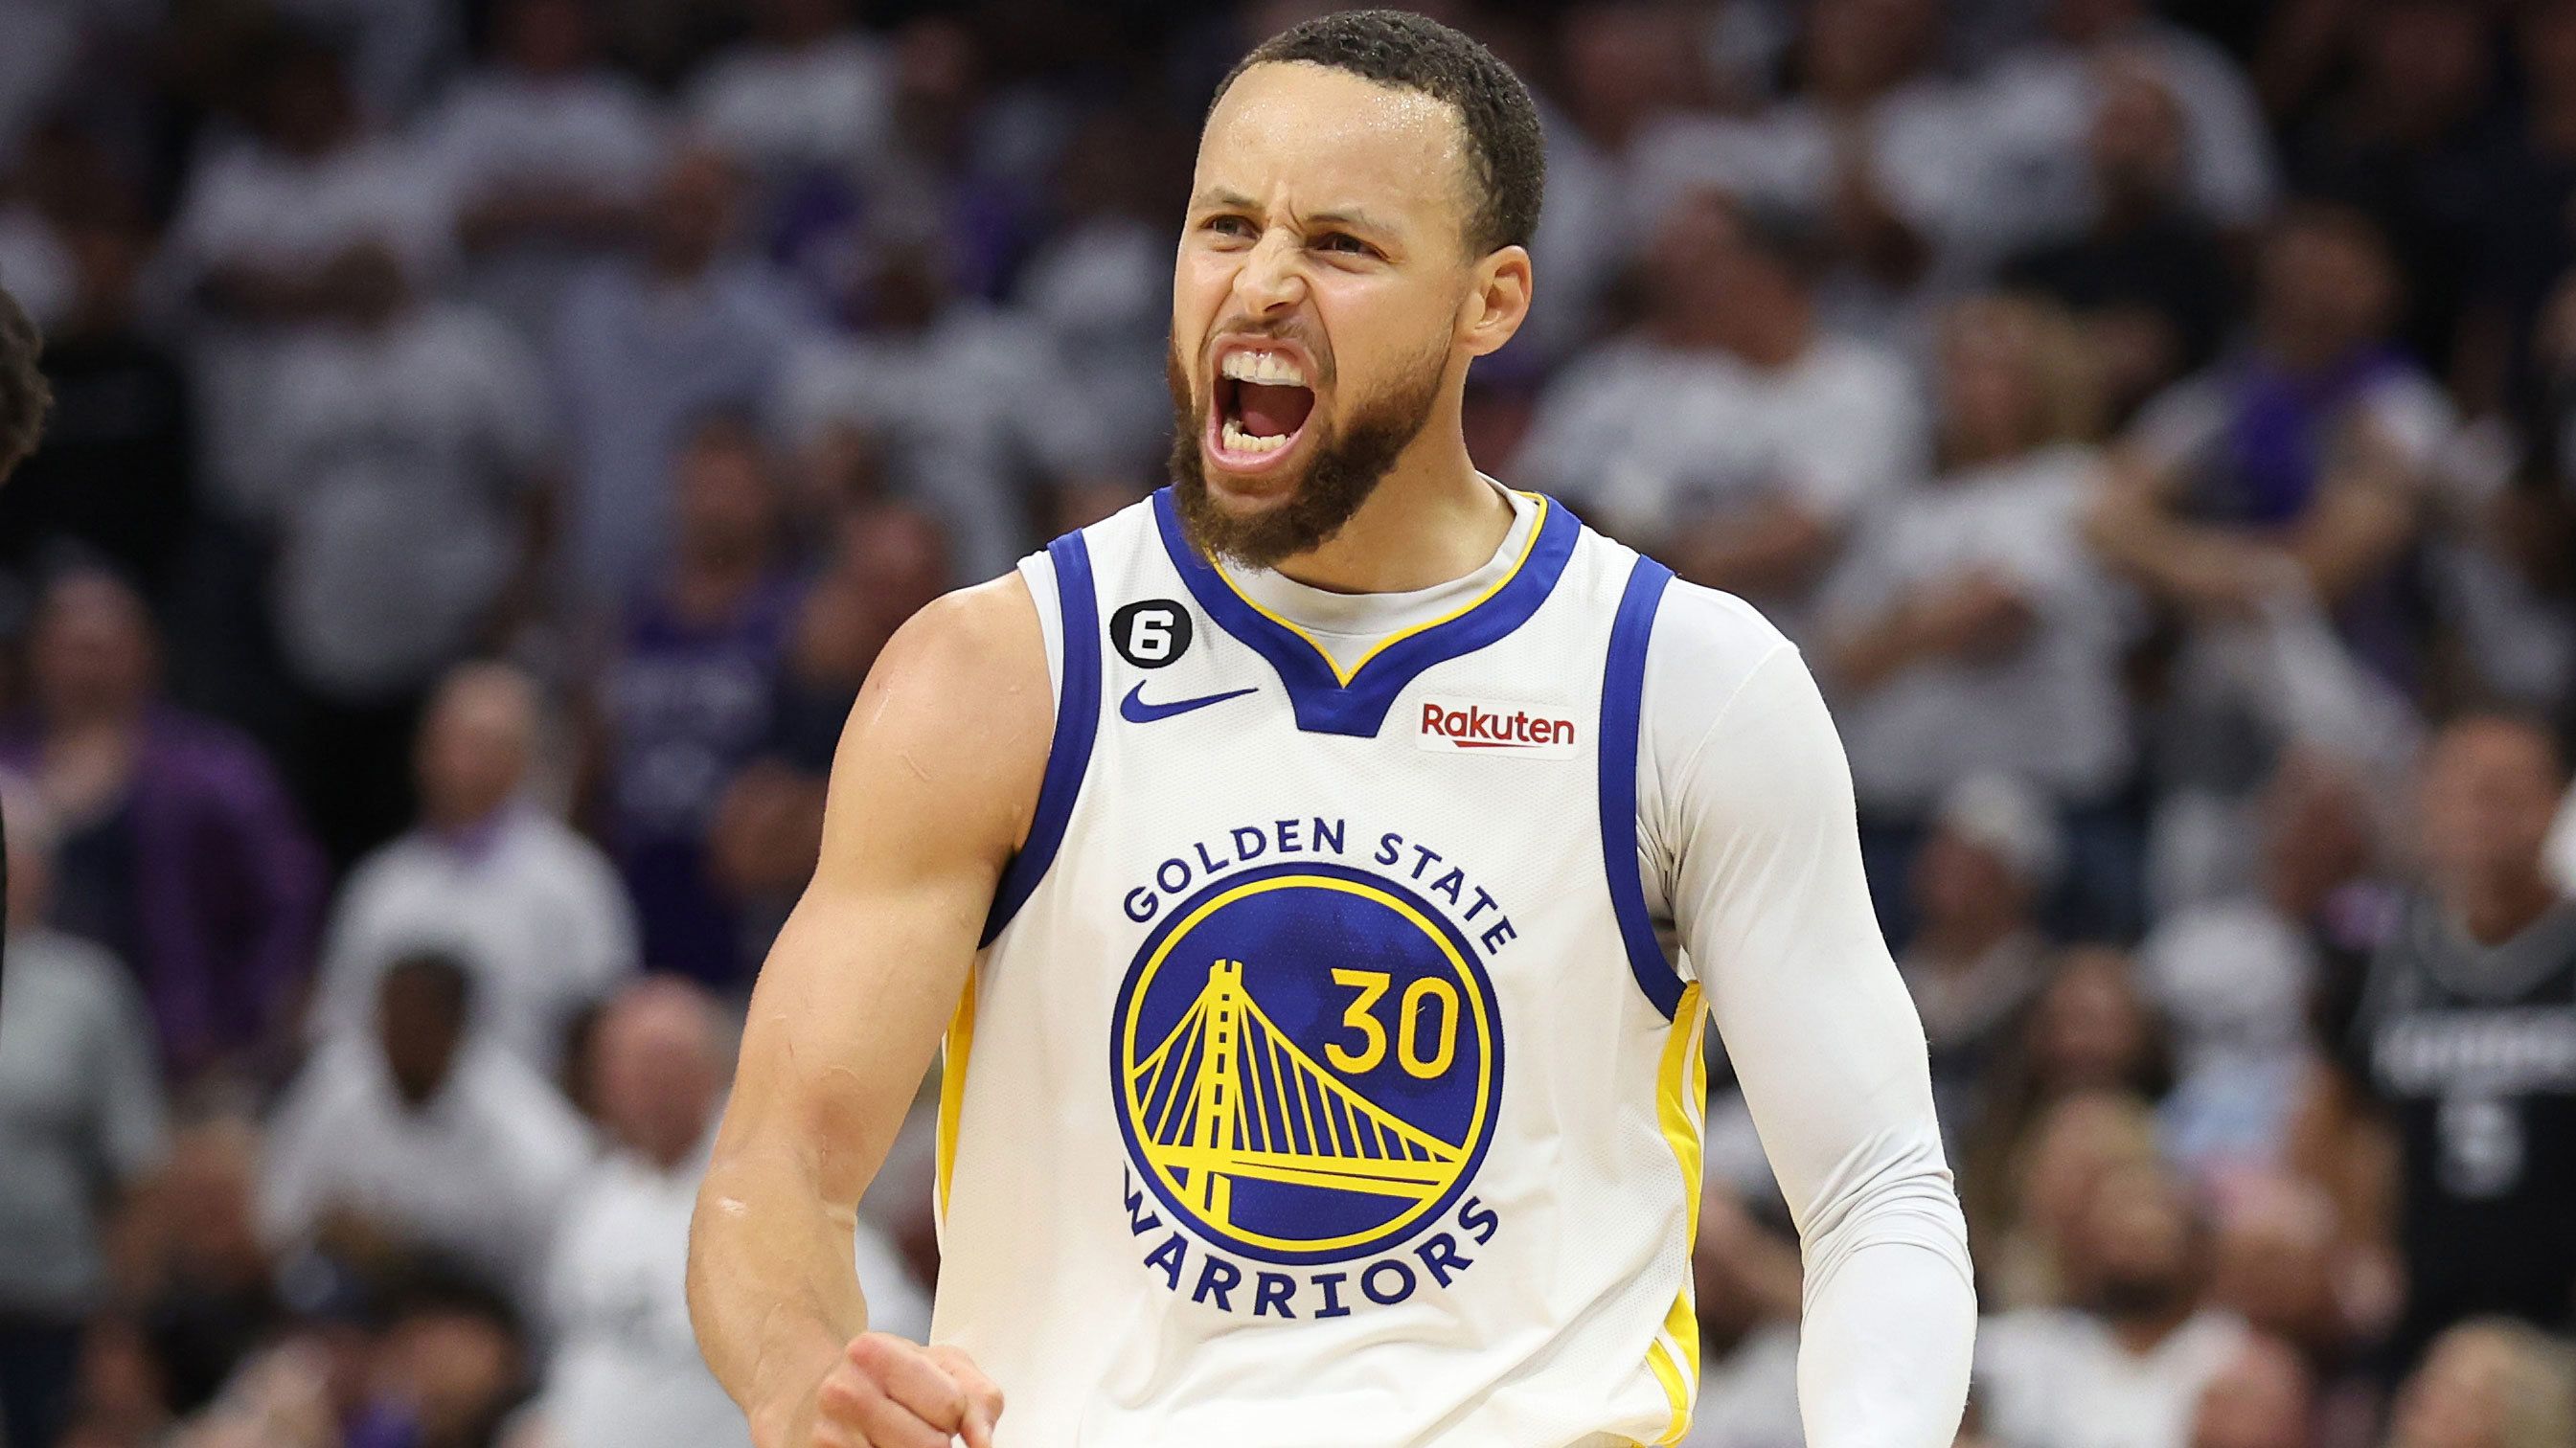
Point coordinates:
[[1767, 891], [2133, 527], [2360, 519], [1777, 545], [936, 778]]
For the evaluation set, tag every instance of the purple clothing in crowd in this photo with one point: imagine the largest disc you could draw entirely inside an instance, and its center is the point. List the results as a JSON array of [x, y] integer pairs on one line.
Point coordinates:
[[2278, 437], [220, 886], [687, 705]]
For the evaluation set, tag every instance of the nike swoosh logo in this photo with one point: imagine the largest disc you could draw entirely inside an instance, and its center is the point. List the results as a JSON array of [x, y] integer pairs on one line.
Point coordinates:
[[1135, 710]]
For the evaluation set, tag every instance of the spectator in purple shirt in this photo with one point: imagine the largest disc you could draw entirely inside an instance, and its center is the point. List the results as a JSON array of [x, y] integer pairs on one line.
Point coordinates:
[[689, 696], [178, 849]]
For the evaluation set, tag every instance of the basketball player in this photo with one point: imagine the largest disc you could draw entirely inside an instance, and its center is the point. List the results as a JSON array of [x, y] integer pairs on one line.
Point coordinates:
[[24, 396], [1295, 860]]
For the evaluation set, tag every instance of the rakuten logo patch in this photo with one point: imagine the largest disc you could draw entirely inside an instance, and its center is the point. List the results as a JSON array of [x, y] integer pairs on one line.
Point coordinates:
[[1516, 730]]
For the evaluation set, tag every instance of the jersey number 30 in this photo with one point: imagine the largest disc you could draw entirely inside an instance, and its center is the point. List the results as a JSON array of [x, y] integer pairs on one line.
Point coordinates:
[[1421, 997]]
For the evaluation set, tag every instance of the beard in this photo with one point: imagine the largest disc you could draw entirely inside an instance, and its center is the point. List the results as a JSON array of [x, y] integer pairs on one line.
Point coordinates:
[[1342, 471]]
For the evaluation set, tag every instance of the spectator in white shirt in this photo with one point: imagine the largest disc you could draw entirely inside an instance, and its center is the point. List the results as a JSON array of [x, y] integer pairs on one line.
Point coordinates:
[[1624, 72], [423, 1137], [1874, 152], [2275, 953], [2125, 1364], [266, 238], [534, 910], [2038, 103], [1731, 435], [645, 348], [966, 407], [547, 154], [412, 453], [625, 1369], [806, 92], [1969, 630], [1099, 285]]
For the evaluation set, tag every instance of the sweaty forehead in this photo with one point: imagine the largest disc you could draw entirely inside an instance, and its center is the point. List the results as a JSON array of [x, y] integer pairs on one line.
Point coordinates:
[[1320, 139]]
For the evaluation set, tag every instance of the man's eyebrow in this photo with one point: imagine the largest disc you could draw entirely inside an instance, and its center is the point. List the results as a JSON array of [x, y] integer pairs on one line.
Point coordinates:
[[1220, 198], [1353, 217]]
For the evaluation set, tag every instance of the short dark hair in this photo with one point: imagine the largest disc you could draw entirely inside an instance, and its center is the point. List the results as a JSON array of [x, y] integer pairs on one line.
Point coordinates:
[[1506, 150], [24, 396]]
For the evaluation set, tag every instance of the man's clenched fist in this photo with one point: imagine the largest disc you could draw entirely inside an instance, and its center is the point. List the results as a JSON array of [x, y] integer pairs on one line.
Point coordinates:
[[889, 1393]]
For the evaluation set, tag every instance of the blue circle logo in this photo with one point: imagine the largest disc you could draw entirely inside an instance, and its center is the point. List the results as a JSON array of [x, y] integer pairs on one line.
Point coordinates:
[[1307, 1062]]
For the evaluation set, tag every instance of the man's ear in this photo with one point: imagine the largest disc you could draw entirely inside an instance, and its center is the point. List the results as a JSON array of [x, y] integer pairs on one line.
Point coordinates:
[[1497, 301]]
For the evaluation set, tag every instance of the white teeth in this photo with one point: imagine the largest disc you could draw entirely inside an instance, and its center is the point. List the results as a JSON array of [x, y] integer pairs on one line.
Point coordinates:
[[1274, 369], [1237, 440]]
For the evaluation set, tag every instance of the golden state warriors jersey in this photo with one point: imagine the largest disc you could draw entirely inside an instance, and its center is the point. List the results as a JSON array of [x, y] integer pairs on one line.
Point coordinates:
[[1321, 1080]]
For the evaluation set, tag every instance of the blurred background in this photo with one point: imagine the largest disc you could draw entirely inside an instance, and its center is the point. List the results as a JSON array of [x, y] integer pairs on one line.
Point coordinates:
[[493, 438]]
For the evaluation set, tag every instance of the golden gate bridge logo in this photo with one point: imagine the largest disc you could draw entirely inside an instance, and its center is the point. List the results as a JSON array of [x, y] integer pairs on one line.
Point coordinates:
[[1382, 1107], [1230, 1097]]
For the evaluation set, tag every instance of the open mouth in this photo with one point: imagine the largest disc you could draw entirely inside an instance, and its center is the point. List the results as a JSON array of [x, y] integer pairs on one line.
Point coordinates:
[[1263, 398]]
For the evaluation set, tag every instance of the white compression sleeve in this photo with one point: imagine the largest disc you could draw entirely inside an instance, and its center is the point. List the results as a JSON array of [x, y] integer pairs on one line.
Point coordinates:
[[1747, 827]]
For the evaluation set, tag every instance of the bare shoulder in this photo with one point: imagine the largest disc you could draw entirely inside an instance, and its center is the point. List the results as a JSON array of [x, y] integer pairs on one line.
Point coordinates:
[[953, 723], [988, 631]]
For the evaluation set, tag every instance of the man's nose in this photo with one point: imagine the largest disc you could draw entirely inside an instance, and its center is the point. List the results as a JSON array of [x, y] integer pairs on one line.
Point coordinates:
[[1271, 278]]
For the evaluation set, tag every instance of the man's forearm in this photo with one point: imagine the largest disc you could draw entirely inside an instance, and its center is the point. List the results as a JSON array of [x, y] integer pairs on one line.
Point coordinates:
[[773, 1288], [1884, 1353], [1890, 1312]]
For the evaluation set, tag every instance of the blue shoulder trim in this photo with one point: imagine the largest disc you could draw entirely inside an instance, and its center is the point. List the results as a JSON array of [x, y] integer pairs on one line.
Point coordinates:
[[1077, 723], [1325, 699], [1623, 687]]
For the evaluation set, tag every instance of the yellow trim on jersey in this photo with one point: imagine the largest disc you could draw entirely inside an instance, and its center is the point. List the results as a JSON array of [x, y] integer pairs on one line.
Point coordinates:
[[1681, 1097], [953, 1051], [1538, 522]]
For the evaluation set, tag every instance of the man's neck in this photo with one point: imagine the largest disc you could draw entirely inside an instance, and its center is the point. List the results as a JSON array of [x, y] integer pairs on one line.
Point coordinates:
[[2142, 1333], [1433, 518]]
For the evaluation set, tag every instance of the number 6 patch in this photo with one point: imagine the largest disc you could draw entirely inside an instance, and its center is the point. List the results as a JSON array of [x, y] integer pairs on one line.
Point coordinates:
[[1150, 633]]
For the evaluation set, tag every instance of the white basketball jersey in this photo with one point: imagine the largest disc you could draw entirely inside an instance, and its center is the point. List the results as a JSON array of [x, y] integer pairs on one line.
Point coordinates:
[[1321, 1081]]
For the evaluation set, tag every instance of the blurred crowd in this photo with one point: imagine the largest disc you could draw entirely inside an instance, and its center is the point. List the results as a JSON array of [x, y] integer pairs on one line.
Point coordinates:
[[493, 438]]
